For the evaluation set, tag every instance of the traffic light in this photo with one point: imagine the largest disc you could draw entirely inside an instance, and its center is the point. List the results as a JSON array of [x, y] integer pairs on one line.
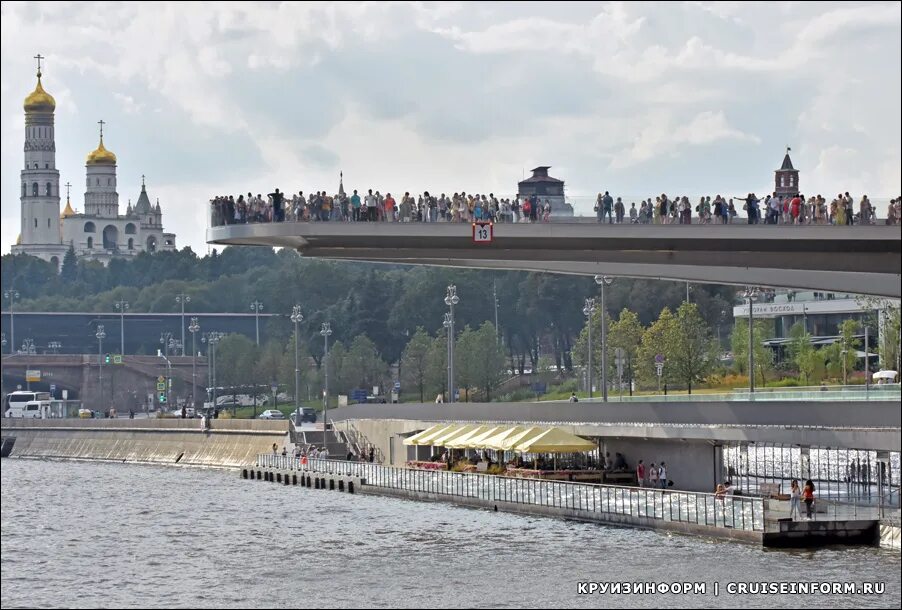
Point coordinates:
[[162, 397], [106, 359]]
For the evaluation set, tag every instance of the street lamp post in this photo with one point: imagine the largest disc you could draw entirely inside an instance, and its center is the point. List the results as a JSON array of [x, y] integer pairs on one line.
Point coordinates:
[[451, 299], [447, 324], [256, 307], [325, 331], [28, 350], [181, 299], [212, 339], [12, 295], [602, 281], [122, 306], [166, 341], [297, 317], [751, 293], [100, 334], [193, 328], [588, 310]]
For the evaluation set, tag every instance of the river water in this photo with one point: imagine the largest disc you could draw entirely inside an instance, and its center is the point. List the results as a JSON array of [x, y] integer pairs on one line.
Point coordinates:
[[113, 535]]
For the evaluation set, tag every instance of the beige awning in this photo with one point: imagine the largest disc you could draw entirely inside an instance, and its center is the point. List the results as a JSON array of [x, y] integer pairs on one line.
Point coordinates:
[[477, 441], [554, 440], [460, 441], [515, 439], [445, 437], [412, 440], [493, 442], [426, 439]]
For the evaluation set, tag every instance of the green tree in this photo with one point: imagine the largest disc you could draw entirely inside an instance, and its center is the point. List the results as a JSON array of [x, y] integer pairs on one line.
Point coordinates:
[[479, 360], [739, 342], [69, 270], [849, 347], [625, 333], [362, 364], [415, 362], [654, 342], [236, 358], [437, 366], [691, 351], [801, 352]]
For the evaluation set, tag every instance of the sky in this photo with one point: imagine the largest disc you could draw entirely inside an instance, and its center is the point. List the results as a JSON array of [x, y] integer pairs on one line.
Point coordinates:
[[635, 98]]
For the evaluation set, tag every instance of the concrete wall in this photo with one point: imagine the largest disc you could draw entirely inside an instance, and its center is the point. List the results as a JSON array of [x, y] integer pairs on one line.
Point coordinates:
[[229, 443], [861, 425], [690, 465]]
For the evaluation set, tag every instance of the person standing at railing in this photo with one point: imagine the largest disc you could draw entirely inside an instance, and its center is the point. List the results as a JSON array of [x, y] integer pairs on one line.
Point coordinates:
[[662, 476], [371, 203], [653, 476], [795, 496], [640, 474], [808, 497]]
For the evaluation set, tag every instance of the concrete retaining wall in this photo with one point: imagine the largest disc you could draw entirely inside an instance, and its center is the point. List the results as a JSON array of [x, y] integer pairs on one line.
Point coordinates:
[[228, 443]]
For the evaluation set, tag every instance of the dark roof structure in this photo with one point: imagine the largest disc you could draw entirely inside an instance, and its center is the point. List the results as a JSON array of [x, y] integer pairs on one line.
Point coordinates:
[[540, 174]]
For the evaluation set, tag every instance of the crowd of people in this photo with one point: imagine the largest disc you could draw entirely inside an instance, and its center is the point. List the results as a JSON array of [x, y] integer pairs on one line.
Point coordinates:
[[772, 209], [463, 207]]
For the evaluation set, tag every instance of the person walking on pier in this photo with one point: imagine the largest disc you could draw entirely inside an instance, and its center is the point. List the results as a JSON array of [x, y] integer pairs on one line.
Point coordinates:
[[652, 476], [662, 476], [640, 474], [808, 497], [795, 496]]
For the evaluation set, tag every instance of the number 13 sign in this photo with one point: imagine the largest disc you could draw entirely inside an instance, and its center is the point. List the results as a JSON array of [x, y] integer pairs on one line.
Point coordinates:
[[483, 232]]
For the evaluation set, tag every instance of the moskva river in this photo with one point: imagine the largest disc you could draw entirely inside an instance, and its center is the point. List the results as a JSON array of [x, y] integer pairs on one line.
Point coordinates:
[[112, 536]]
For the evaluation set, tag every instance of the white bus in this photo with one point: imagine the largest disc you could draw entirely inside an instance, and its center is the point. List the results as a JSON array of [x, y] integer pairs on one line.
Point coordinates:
[[24, 403]]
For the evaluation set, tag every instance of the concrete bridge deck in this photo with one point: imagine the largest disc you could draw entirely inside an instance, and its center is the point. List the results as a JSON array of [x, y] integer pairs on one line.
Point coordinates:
[[860, 259]]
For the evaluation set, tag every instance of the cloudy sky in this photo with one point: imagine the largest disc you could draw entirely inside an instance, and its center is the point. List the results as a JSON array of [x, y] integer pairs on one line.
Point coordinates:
[[635, 98]]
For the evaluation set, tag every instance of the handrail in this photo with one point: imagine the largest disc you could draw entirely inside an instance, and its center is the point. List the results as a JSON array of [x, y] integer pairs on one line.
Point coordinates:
[[661, 505]]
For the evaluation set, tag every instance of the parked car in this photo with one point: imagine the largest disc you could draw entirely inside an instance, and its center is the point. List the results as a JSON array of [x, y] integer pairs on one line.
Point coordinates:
[[271, 414], [189, 412], [308, 414]]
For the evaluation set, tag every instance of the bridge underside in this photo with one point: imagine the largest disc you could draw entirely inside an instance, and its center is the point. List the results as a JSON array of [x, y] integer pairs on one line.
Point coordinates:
[[865, 260]]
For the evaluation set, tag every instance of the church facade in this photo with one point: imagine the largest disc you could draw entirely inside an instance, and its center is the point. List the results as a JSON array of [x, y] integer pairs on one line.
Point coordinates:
[[99, 232]]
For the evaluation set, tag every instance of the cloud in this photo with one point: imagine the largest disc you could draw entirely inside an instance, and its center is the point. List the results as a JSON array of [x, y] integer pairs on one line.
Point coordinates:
[[638, 97]]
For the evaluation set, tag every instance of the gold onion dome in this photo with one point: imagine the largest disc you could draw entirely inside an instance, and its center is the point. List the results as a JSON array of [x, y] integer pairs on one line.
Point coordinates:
[[39, 100], [101, 156], [68, 211]]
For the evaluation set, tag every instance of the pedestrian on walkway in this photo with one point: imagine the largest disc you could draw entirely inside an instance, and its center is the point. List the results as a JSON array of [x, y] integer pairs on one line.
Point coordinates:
[[640, 474], [795, 495], [808, 497], [662, 476]]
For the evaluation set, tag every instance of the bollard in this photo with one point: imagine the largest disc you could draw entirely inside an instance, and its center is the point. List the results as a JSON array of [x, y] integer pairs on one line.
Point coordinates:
[[252, 474], [308, 481], [244, 473], [294, 479], [350, 487], [331, 484], [278, 477], [285, 479], [316, 482], [341, 485]]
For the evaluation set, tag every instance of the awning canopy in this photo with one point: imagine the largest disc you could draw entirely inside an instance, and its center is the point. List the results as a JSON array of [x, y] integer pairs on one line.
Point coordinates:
[[449, 435], [477, 441], [461, 441], [513, 440], [554, 440], [427, 439], [412, 440], [494, 442]]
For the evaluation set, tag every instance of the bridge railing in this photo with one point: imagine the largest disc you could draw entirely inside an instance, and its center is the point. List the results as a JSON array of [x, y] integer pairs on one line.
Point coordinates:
[[883, 392], [577, 209], [664, 505]]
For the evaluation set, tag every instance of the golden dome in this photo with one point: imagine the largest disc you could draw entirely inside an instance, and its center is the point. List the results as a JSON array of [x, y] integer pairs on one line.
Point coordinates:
[[101, 156], [39, 100], [68, 211]]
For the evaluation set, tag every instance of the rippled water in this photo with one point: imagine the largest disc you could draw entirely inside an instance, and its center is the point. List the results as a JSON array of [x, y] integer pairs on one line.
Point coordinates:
[[111, 535]]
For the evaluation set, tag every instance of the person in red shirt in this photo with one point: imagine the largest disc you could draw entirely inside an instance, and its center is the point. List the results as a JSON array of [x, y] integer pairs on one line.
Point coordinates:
[[640, 474], [795, 208], [389, 207]]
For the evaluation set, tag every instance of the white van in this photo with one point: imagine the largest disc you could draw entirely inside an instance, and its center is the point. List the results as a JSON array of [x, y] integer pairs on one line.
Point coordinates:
[[27, 404]]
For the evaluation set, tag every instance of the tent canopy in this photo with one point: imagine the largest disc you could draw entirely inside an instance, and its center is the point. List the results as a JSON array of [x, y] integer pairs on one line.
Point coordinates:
[[554, 440], [477, 441], [493, 442], [427, 439], [451, 434], [412, 440], [461, 440], [514, 439]]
